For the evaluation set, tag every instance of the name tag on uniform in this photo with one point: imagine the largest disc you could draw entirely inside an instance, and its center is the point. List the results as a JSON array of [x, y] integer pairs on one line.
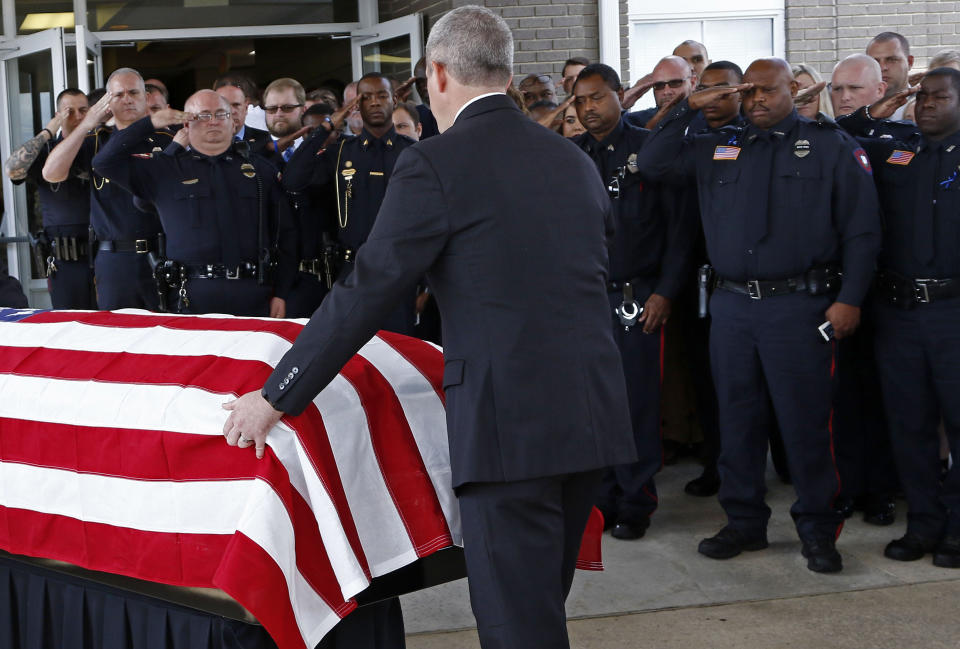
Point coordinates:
[[900, 157], [376, 173], [726, 153], [192, 181]]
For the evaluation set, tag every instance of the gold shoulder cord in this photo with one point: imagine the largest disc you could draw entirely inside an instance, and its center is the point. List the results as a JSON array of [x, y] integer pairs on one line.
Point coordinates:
[[96, 148], [343, 216]]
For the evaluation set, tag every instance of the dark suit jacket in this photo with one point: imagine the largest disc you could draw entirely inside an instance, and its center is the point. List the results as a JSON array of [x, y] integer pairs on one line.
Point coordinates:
[[517, 260]]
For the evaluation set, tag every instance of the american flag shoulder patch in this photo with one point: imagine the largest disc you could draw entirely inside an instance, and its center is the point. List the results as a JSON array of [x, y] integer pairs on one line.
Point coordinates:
[[726, 153], [899, 157]]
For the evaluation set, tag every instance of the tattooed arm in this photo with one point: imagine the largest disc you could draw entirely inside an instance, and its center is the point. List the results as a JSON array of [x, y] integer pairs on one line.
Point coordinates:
[[22, 158]]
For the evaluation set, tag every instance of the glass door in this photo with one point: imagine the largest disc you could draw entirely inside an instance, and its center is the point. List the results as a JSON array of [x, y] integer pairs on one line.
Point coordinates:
[[33, 71], [83, 52], [392, 48]]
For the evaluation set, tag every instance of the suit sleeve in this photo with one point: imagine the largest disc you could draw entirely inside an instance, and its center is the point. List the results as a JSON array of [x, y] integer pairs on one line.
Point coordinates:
[[410, 232], [308, 167], [668, 154], [680, 207], [857, 214], [116, 162]]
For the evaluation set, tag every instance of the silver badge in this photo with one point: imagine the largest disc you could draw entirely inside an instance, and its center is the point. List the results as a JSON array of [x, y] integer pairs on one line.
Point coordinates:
[[801, 148]]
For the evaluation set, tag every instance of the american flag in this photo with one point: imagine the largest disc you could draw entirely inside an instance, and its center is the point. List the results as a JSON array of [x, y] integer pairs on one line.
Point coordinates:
[[900, 157], [112, 458], [726, 153]]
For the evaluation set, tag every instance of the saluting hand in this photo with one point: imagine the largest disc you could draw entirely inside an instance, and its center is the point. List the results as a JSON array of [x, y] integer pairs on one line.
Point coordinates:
[[404, 90], [170, 116], [338, 119], [889, 105], [807, 95], [638, 90], [549, 120], [701, 98], [98, 114], [251, 418], [916, 77], [844, 318]]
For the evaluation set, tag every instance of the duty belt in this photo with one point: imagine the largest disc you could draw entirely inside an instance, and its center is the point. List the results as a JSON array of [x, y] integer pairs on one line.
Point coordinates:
[[907, 292], [312, 266], [69, 248], [349, 255], [815, 281], [139, 246], [246, 270]]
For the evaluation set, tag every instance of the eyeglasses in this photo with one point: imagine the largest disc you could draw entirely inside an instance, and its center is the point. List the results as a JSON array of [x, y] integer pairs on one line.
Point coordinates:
[[673, 83], [286, 108], [540, 78], [220, 115]]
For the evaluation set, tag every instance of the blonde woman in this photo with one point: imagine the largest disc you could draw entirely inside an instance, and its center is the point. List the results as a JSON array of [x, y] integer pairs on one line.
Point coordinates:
[[807, 76]]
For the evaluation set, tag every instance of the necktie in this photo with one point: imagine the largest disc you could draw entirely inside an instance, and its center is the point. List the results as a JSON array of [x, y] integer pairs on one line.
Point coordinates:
[[761, 162], [226, 213], [923, 215], [287, 154]]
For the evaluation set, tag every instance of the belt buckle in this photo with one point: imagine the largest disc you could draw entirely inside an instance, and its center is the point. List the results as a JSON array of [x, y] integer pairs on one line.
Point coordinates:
[[753, 289], [235, 275], [141, 246], [921, 292]]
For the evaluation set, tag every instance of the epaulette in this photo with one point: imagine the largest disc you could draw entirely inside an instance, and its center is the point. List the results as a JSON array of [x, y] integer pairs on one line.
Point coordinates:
[[825, 121]]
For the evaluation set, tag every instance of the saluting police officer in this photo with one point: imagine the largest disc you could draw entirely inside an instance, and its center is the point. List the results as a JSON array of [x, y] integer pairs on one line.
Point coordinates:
[[229, 239], [649, 258], [62, 247], [787, 204], [918, 306], [358, 169], [125, 234]]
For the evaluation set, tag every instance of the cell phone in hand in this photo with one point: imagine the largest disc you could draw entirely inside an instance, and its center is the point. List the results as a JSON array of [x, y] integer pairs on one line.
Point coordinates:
[[826, 331]]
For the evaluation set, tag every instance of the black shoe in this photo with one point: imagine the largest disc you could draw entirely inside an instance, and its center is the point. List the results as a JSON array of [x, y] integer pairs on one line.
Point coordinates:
[[880, 511], [822, 555], [844, 506], [947, 554], [730, 541], [609, 518], [909, 547], [629, 529], [708, 484]]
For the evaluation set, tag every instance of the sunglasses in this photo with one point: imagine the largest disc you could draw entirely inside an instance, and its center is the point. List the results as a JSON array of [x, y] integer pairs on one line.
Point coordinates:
[[540, 78], [286, 108], [673, 83]]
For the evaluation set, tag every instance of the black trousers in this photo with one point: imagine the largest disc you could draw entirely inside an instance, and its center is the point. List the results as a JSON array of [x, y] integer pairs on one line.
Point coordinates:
[[521, 540], [240, 297], [71, 286], [374, 626], [306, 296], [125, 281], [628, 491], [772, 347], [918, 353]]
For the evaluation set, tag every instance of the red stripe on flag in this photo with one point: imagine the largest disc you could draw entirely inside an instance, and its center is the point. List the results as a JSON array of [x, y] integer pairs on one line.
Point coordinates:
[[216, 374], [400, 462], [427, 359], [283, 328]]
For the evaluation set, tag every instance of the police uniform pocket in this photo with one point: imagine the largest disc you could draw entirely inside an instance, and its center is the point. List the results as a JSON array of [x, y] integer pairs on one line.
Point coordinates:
[[798, 185], [193, 200]]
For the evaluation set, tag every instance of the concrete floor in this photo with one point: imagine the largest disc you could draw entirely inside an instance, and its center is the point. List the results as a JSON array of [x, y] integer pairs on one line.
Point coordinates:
[[659, 592]]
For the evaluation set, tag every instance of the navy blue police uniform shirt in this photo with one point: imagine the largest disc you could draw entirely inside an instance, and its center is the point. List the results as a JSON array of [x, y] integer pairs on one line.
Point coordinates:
[[775, 203], [918, 181], [208, 204], [112, 211], [859, 125], [654, 234], [358, 168], [65, 206]]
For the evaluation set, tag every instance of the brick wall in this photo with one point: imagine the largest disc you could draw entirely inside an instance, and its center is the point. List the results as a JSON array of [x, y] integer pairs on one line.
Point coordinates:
[[821, 32]]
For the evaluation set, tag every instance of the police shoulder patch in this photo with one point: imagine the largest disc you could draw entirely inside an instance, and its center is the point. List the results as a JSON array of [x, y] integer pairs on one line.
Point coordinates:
[[863, 160]]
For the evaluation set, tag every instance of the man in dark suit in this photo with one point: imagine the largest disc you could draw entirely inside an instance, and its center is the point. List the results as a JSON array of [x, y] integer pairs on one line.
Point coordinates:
[[536, 403], [259, 141]]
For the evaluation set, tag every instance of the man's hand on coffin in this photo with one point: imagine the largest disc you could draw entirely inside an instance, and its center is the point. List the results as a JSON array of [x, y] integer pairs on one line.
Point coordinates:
[[251, 418]]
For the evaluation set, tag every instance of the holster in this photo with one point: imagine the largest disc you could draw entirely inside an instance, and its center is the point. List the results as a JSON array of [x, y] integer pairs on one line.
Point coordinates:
[[704, 288], [40, 244]]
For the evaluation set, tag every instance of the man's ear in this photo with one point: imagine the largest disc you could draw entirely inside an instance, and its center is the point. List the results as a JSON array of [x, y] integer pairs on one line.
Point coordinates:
[[440, 71]]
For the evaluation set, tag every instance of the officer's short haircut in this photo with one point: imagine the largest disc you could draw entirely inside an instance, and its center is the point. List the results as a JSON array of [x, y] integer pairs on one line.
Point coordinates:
[[691, 43], [945, 58], [574, 60], [883, 37], [148, 88], [71, 92], [950, 73], [376, 75], [122, 71], [410, 109], [242, 81], [95, 95], [475, 45], [729, 66], [602, 70], [319, 108], [282, 84]]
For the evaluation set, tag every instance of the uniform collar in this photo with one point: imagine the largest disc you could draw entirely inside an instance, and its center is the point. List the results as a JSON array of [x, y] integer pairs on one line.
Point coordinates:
[[945, 144], [777, 132], [368, 140], [609, 142]]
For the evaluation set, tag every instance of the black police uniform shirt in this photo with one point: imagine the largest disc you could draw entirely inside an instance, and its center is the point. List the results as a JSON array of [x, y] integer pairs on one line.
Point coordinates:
[[359, 169], [859, 125], [208, 204], [640, 118], [918, 181], [65, 205], [112, 212], [654, 234], [775, 203]]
